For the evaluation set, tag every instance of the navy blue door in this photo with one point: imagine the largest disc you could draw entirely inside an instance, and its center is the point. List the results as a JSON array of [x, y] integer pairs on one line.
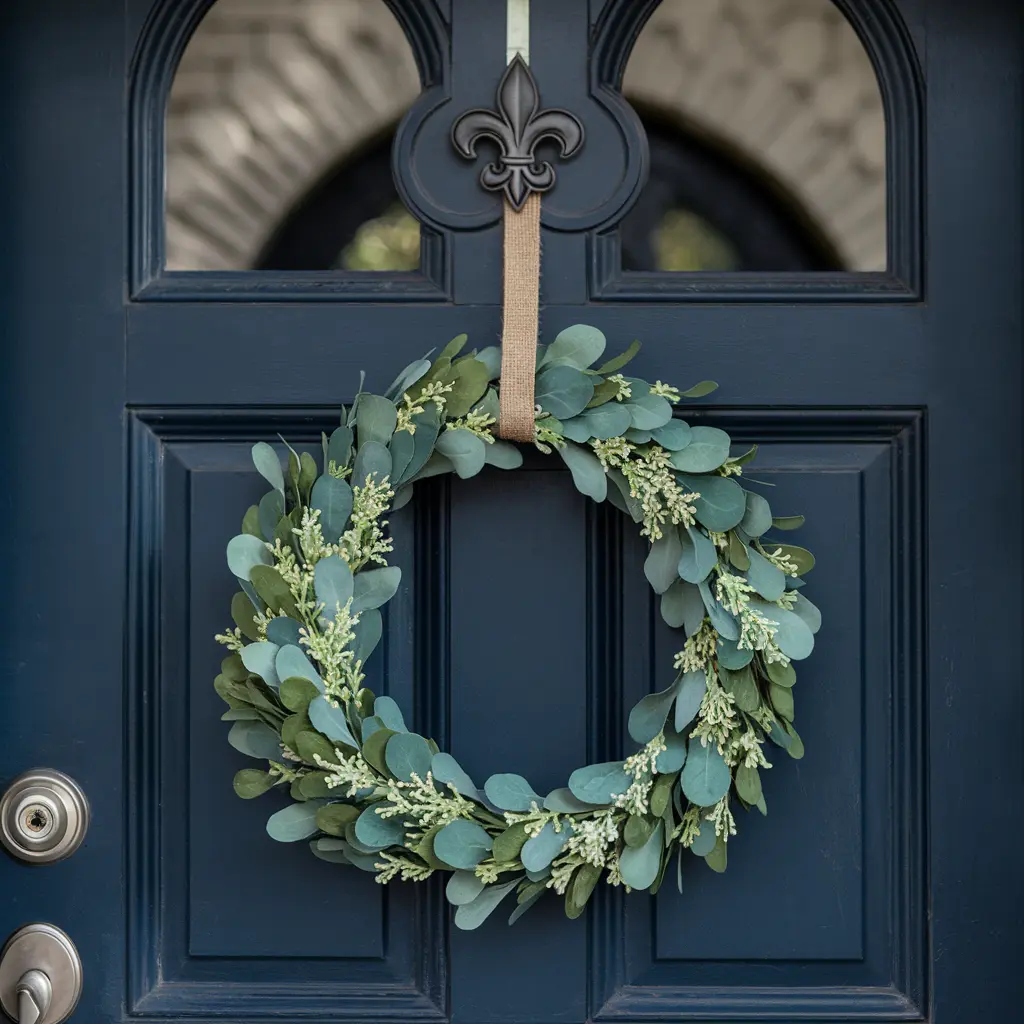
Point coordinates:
[[885, 883]]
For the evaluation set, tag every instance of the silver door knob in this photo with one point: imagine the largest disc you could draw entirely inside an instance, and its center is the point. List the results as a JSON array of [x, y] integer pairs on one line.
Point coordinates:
[[40, 975]]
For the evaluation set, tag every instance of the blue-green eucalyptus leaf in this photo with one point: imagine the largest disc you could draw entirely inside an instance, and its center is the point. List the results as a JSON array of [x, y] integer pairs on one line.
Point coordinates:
[[472, 915], [332, 850], [259, 658], [410, 375], [674, 436], [673, 757], [673, 604], [368, 631], [793, 636], [376, 832], [370, 726], [339, 447], [464, 449], [604, 421], [758, 516], [706, 777], [638, 436], [283, 631], [294, 822], [255, 739], [648, 716], [587, 472], [577, 429], [767, 579], [375, 419], [692, 688], [543, 848], [511, 792], [372, 460], [579, 345], [708, 449], [462, 844], [291, 661], [402, 497], [721, 504], [407, 753], [427, 425], [722, 620], [731, 657], [661, 567], [640, 865], [265, 459], [698, 555], [503, 455], [523, 907], [563, 391], [463, 887], [808, 611], [333, 497], [446, 769], [270, 511], [388, 711], [330, 719], [706, 839], [245, 551], [599, 783], [402, 448], [491, 358], [648, 412], [563, 801], [332, 580], [374, 587]]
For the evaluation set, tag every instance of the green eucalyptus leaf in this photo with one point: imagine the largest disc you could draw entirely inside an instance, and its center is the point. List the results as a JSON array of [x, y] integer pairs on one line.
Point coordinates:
[[739, 555], [526, 899], [314, 785], [800, 557], [587, 472], [309, 745], [242, 614], [580, 889], [252, 782], [782, 701], [563, 391], [251, 524], [509, 843], [374, 746], [471, 378], [661, 795], [270, 511], [296, 693], [705, 387], [788, 522], [374, 587], [718, 857], [339, 448], [618, 362], [742, 686], [334, 818], [604, 392], [748, 783], [273, 590]]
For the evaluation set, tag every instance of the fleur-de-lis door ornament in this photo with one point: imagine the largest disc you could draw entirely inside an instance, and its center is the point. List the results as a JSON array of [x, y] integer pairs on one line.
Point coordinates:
[[516, 128]]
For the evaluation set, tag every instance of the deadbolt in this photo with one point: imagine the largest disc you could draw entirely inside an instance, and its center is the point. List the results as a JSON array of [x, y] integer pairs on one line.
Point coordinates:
[[43, 816], [40, 975]]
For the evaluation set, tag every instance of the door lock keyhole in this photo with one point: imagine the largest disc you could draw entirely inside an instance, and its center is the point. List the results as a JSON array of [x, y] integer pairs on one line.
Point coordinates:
[[38, 820]]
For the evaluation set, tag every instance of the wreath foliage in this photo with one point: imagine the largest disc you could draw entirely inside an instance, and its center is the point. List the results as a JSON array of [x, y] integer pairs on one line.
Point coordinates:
[[366, 791]]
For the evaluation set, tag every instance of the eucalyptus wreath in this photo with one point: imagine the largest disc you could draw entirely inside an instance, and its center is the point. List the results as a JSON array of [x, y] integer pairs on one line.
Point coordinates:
[[312, 564]]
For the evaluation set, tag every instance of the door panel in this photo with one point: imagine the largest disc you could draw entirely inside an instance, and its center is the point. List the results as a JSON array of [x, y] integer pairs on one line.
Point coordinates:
[[881, 886]]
